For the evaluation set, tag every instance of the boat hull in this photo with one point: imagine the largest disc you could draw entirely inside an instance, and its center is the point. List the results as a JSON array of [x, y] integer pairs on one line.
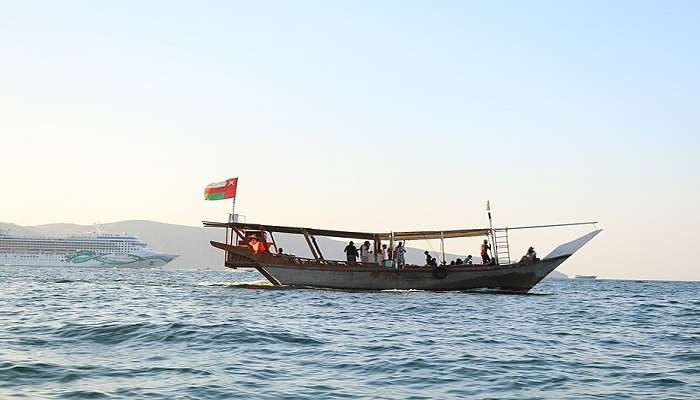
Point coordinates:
[[294, 271], [519, 278]]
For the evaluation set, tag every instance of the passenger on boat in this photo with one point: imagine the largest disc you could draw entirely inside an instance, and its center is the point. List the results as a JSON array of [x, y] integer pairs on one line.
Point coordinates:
[[386, 257], [532, 254], [453, 262], [430, 261], [258, 246], [485, 247], [379, 257], [351, 253], [468, 260], [280, 251], [364, 252], [401, 254], [459, 262], [530, 257]]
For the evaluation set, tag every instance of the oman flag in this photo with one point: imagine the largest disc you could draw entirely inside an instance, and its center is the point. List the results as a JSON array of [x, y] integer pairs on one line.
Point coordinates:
[[221, 190]]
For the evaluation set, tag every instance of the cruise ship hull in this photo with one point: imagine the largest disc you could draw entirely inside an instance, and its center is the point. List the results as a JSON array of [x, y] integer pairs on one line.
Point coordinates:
[[93, 250], [89, 259]]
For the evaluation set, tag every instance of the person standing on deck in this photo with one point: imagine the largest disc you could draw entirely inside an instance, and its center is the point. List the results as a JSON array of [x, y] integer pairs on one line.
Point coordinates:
[[400, 255], [364, 252], [351, 253], [379, 256], [385, 255], [485, 247]]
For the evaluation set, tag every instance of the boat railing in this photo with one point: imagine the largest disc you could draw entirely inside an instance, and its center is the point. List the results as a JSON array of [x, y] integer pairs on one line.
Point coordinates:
[[305, 260], [236, 259]]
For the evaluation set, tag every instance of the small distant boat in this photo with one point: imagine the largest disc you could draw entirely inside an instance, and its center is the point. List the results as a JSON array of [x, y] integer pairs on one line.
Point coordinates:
[[585, 277], [247, 246]]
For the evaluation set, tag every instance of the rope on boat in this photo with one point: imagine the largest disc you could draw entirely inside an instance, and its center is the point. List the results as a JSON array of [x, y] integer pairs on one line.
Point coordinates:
[[431, 247]]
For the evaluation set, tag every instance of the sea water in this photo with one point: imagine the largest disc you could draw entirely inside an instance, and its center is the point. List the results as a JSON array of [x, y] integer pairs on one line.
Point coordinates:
[[158, 334]]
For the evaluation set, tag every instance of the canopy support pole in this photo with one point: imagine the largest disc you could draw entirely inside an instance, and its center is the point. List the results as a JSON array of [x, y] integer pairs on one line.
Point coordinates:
[[391, 249], [318, 249], [377, 245], [311, 246], [273, 242], [238, 234]]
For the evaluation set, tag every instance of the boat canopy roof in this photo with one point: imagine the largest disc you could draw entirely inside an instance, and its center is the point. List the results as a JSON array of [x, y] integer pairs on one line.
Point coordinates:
[[410, 235]]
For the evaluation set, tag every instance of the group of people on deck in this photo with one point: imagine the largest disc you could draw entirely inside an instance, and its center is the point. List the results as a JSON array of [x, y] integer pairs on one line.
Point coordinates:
[[432, 262], [468, 260], [381, 255], [384, 255]]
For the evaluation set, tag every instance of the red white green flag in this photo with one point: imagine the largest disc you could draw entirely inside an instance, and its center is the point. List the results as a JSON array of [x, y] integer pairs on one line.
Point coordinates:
[[221, 190]]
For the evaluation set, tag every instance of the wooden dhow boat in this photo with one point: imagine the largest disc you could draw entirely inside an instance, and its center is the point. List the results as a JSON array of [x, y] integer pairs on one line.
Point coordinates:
[[247, 246]]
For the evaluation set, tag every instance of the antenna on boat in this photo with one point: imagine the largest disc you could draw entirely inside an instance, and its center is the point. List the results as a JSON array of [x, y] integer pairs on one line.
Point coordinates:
[[442, 247], [493, 238]]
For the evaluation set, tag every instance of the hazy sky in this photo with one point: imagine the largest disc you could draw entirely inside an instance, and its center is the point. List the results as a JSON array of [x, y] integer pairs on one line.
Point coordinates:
[[363, 115]]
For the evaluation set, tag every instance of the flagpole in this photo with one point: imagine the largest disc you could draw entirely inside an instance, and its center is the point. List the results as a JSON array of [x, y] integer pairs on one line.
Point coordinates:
[[234, 218]]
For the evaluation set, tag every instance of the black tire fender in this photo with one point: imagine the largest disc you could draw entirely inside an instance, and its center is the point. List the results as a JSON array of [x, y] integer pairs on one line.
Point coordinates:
[[440, 273]]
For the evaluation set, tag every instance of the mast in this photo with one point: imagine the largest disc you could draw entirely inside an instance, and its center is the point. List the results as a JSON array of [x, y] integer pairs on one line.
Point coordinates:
[[493, 238], [442, 247]]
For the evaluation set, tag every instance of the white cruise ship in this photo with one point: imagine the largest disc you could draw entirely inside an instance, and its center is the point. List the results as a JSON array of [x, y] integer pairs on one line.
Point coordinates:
[[87, 250]]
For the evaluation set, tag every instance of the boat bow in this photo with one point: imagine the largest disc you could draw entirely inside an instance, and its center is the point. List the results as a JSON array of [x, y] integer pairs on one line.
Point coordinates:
[[569, 248]]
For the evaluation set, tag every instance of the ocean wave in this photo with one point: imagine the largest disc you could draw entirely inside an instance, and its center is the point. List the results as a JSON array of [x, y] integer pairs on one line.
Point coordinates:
[[255, 283], [689, 356], [164, 335], [110, 333], [84, 395], [660, 383], [14, 374]]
